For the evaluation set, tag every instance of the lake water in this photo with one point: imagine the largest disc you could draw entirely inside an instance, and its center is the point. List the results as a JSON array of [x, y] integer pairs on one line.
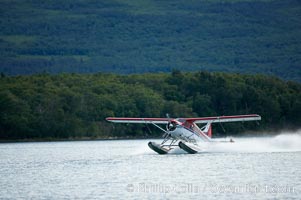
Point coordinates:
[[250, 168]]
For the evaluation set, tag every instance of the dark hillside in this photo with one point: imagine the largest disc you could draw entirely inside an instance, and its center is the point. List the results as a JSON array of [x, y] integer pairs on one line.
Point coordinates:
[[131, 36]]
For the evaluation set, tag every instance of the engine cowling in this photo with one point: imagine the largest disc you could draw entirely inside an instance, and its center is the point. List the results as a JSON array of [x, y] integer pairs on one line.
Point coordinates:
[[171, 126]]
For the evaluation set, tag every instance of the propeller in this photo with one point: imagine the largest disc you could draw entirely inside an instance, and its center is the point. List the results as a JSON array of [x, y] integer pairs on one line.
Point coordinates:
[[169, 122], [168, 126], [171, 126]]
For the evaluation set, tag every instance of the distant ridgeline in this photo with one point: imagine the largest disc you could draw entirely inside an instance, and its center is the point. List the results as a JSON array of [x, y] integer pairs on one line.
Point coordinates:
[[131, 36], [75, 106]]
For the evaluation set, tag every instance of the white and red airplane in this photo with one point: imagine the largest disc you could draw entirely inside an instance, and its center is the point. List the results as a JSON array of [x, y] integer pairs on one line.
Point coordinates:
[[183, 132]]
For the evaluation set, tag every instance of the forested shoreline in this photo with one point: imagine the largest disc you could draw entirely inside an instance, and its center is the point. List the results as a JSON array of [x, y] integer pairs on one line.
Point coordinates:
[[75, 106]]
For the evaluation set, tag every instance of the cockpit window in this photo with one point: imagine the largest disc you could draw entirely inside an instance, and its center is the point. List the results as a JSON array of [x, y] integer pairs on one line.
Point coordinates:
[[181, 120]]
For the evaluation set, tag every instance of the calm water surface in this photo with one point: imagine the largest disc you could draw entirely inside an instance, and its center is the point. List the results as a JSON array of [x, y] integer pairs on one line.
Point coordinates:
[[252, 168]]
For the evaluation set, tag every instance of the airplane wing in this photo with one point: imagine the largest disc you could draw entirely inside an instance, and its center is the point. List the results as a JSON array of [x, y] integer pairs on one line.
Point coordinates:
[[234, 118], [138, 120]]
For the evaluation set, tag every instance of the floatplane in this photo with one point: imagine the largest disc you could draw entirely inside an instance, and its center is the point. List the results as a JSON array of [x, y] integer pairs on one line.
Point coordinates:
[[183, 132]]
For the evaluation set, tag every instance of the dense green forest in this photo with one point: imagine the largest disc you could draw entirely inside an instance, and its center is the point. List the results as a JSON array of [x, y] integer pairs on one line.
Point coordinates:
[[75, 106], [133, 36]]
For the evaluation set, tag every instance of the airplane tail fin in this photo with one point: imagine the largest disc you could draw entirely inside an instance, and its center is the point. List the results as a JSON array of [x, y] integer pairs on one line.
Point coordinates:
[[209, 133], [208, 130]]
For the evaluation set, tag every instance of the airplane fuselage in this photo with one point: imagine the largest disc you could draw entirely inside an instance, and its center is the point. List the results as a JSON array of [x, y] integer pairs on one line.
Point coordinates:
[[182, 133], [188, 132]]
